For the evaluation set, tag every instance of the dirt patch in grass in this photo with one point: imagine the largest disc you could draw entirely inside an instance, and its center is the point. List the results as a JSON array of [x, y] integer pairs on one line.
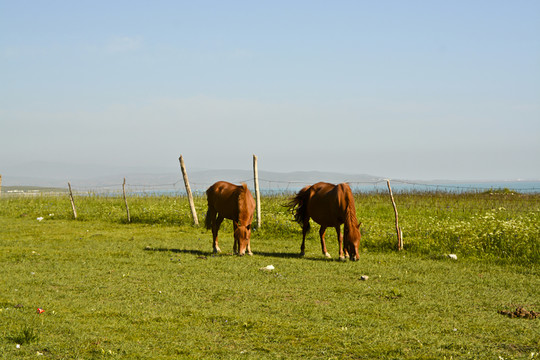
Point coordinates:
[[520, 312]]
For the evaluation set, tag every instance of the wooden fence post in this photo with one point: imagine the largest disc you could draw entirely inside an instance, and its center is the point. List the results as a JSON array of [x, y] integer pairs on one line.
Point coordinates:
[[398, 230], [257, 191], [72, 202], [188, 190], [125, 200]]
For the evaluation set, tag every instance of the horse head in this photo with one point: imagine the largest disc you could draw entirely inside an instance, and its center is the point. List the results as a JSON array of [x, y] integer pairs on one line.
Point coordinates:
[[351, 241], [242, 235]]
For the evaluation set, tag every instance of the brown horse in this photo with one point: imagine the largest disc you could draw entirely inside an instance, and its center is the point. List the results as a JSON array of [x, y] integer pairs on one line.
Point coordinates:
[[328, 205], [229, 201]]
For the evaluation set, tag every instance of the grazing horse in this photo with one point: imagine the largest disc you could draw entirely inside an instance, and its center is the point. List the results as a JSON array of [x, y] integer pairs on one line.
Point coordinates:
[[328, 205], [229, 201]]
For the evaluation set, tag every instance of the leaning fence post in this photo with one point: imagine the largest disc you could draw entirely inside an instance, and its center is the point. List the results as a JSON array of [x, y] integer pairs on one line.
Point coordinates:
[[72, 202], [257, 192], [398, 230], [125, 200], [188, 190]]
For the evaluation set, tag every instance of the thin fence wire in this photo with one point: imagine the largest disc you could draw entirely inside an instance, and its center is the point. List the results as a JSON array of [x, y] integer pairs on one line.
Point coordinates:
[[277, 187]]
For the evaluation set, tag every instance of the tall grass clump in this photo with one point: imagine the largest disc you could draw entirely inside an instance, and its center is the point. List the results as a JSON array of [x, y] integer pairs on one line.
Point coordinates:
[[497, 227], [24, 335]]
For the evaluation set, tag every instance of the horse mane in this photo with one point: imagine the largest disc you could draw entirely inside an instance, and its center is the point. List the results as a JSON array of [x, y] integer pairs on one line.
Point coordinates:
[[350, 213], [242, 203]]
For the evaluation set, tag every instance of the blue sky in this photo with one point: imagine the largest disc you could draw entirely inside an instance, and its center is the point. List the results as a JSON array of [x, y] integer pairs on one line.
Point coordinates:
[[399, 89]]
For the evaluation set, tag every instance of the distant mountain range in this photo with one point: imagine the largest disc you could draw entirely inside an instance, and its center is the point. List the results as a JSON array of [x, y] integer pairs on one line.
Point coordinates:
[[57, 175], [110, 178]]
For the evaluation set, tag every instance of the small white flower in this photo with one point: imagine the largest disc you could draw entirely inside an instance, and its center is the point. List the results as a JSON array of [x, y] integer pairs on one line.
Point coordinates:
[[18, 346], [267, 268], [39, 218], [452, 256]]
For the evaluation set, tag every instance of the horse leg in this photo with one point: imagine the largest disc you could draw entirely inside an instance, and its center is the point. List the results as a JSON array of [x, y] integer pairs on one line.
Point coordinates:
[[215, 228], [340, 241], [249, 244], [305, 229], [323, 243], [236, 244], [249, 248]]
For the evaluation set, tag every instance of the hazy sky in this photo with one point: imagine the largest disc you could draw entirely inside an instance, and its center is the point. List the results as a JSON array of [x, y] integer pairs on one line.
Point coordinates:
[[399, 89]]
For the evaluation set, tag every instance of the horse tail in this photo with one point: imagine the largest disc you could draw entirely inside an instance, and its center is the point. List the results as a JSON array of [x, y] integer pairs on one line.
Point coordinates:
[[208, 219], [298, 206], [210, 213]]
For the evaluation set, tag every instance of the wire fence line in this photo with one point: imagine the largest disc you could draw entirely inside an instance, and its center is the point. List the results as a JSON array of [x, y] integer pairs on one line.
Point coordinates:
[[520, 199], [278, 187]]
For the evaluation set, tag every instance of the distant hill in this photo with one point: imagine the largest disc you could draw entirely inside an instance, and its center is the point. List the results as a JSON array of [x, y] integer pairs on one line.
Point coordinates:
[[158, 180], [56, 175]]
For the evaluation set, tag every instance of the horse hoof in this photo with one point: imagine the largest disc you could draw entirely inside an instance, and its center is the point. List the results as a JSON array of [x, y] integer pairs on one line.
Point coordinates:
[[302, 253], [342, 258], [250, 253], [328, 256], [217, 250]]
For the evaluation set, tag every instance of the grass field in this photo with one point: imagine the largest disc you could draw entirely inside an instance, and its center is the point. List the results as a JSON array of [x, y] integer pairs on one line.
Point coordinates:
[[152, 289]]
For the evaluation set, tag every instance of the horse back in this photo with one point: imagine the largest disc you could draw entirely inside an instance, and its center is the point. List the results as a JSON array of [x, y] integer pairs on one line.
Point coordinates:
[[324, 204], [231, 201]]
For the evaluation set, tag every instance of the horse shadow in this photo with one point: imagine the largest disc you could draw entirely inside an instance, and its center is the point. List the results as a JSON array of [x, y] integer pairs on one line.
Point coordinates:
[[285, 255], [281, 255], [179, 251]]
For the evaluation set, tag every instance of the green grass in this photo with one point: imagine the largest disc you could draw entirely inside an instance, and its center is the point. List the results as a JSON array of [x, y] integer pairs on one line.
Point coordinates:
[[24, 336], [152, 289]]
